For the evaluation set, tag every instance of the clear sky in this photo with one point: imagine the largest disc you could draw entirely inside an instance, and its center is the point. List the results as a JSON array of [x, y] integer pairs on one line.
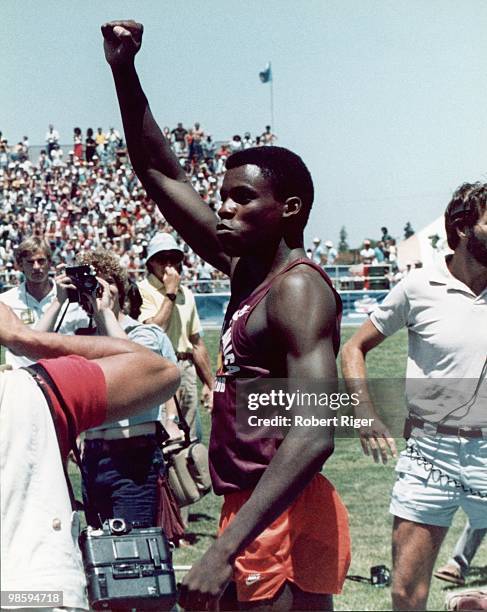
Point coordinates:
[[385, 100]]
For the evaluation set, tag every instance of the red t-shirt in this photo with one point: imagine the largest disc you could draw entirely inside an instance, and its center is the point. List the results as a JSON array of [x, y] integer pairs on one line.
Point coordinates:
[[83, 387]]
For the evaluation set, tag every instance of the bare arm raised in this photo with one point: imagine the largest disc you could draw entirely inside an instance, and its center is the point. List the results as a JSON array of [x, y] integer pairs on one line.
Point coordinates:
[[152, 158]]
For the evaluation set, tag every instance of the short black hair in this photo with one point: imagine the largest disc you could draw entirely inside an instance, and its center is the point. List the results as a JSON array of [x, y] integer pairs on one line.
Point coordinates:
[[468, 203], [286, 171]]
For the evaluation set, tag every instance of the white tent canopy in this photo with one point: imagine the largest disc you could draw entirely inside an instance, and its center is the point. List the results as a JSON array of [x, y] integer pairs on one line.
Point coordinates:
[[419, 247]]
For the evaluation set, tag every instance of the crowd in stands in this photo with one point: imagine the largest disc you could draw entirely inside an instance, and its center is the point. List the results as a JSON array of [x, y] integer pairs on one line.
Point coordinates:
[[86, 196]]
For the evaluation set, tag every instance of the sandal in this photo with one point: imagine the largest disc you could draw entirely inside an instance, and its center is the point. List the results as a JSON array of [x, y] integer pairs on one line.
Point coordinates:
[[450, 573], [472, 599]]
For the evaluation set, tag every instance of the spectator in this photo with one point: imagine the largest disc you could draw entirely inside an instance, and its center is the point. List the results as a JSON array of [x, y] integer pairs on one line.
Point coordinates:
[[385, 235], [113, 138], [209, 148], [196, 144], [458, 566], [268, 138], [167, 303], [179, 138], [33, 297], [247, 141], [101, 141], [318, 252], [90, 145], [379, 254], [52, 139], [57, 156], [236, 144], [204, 273], [38, 528], [77, 143], [170, 305], [367, 254], [331, 253], [122, 460], [444, 465]]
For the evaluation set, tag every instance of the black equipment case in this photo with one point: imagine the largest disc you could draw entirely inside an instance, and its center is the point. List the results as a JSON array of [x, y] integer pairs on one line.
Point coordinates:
[[128, 567]]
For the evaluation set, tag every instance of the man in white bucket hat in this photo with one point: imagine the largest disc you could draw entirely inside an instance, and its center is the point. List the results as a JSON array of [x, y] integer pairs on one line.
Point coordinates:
[[168, 304]]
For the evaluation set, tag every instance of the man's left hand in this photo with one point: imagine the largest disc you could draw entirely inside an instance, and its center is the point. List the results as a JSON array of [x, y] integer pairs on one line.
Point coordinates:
[[207, 397], [204, 584], [63, 283]]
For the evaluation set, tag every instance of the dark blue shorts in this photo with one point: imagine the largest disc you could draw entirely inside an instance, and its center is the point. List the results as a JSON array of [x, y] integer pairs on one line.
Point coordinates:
[[120, 479]]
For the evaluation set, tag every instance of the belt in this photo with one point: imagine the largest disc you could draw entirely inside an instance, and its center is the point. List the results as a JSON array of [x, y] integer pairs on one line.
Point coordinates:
[[184, 356], [121, 444], [118, 433], [433, 428]]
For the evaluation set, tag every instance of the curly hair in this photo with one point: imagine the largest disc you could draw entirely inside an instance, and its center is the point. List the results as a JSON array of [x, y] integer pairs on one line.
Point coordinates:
[[467, 205], [107, 265]]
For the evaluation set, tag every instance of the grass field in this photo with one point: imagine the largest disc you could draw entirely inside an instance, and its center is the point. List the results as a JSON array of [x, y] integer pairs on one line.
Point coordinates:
[[365, 489]]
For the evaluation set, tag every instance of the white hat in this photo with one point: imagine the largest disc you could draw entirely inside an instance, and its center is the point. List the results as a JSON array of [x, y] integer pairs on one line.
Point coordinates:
[[163, 242], [329, 243], [316, 240]]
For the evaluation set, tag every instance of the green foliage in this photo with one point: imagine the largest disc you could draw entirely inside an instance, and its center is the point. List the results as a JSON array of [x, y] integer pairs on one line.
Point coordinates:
[[342, 241]]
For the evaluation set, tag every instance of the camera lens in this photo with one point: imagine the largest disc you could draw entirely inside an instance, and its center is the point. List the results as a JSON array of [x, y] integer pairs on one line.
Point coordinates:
[[89, 283], [117, 525]]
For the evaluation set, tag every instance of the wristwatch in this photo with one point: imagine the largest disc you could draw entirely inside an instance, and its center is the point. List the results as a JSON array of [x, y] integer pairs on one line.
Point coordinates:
[[171, 296]]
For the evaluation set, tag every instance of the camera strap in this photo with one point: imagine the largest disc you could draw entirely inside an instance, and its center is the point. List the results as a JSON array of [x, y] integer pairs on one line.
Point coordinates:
[[44, 380], [62, 316], [183, 424]]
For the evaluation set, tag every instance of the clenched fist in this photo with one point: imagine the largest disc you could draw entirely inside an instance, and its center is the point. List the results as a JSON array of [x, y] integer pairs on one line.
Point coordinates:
[[122, 40]]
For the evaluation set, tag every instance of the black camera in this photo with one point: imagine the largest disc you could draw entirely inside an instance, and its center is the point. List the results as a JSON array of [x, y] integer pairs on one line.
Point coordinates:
[[380, 576], [128, 567], [85, 281]]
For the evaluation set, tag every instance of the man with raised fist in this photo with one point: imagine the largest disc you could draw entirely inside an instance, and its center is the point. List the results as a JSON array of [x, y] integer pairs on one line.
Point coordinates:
[[283, 321]]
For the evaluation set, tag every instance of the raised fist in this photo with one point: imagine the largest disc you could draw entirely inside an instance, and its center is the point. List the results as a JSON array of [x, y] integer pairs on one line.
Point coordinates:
[[122, 40]]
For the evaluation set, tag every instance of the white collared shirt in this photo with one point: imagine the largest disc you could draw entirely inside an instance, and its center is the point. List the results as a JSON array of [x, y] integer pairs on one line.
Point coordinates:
[[447, 334], [30, 310]]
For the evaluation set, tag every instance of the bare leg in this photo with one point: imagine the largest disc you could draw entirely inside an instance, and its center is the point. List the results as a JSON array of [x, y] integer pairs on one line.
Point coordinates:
[[415, 547]]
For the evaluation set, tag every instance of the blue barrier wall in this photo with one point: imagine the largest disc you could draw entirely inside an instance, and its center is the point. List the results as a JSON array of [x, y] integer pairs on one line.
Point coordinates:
[[356, 306]]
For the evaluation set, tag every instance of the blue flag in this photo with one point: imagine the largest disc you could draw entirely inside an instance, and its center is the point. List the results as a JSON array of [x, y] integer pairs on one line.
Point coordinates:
[[266, 75]]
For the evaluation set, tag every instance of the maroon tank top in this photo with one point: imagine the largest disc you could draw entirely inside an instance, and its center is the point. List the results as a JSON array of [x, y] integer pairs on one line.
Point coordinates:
[[236, 464]]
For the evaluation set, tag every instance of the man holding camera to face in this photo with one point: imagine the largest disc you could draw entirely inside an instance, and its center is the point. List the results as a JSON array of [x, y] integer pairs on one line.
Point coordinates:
[[33, 297], [122, 461]]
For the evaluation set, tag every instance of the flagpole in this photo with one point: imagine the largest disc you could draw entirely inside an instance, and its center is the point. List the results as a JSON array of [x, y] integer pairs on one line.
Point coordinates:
[[273, 127]]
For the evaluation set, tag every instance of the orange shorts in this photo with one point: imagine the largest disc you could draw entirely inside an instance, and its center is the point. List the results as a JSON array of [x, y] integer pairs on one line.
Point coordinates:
[[308, 544]]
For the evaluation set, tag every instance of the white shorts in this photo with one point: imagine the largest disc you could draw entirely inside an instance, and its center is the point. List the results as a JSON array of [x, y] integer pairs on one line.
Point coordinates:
[[428, 495]]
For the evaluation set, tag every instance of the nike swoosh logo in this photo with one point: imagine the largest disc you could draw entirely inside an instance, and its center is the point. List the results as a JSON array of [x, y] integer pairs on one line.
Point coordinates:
[[252, 578]]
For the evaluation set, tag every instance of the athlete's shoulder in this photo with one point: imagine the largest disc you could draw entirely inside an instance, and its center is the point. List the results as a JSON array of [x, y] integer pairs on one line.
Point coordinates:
[[303, 280], [297, 293]]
